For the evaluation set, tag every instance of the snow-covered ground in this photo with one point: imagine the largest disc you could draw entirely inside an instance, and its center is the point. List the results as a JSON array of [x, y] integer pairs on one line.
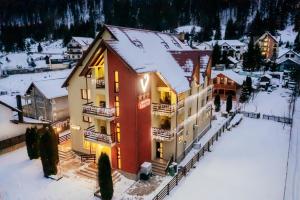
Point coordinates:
[[288, 34], [274, 103], [292, 191], [187, 29], [20, 82], [248, 162]]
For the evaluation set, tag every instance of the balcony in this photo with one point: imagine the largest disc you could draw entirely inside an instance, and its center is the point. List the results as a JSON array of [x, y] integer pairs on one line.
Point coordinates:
[[92, 135], [163, 134], [166, 109], [225, 86], [99, 112], [100, 83]]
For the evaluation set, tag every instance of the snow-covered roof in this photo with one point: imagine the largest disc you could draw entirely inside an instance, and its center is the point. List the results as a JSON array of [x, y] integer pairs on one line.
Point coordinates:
[[267, 76], [233, 60], [239, 79], [9, 101], [187, 29], [232, 43], [268, 34], [83, 41], [51, 88], [286, 54], [149, 51]]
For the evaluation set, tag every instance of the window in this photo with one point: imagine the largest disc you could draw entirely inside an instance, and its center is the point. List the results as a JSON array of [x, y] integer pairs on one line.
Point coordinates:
[[86, 119], [117, 106], [117, 84], [85, 94], [292, 55], [119, 158], [118, 132]]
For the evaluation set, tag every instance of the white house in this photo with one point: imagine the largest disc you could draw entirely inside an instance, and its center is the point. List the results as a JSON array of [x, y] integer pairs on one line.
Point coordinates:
[[234, 48], [288, 60], [77, 46]]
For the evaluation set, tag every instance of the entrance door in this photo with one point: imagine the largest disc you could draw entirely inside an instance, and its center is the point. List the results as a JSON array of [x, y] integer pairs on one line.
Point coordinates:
[[159, 150]]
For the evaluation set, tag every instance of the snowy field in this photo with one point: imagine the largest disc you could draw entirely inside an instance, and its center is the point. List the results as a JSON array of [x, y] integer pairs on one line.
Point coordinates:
[[247, 163], [274, 103], [22, 179]]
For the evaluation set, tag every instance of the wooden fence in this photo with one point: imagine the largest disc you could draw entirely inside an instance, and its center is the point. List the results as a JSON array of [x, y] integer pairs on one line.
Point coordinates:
[[251, 114], [286, 120], [183, 170]]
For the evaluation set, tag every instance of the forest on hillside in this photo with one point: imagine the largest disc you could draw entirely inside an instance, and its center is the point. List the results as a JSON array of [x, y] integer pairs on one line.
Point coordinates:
[[52, 19]]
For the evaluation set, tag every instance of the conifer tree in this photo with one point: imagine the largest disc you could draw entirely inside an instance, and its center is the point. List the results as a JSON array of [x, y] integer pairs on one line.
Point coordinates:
[[230, 32], [39, 48], [229, 103], [218, 35], [216, 54], [104, 177], [244, 93], [32, 143], [297, 43], [249, 84], [217, 102], [48, 151]]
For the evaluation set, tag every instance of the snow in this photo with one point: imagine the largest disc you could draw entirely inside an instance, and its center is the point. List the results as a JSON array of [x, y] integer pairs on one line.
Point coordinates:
[[22, 178], [288, 34], [20, 82], [83, 41], [232, 43], [274, 103], [292, 191], [187, 29], [230, 74], [148, 51], [246, 163], [51, 88]]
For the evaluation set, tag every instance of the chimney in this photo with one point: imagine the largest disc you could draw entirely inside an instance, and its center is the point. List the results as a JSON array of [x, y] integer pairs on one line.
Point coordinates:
[[19, 106], [181, 36]]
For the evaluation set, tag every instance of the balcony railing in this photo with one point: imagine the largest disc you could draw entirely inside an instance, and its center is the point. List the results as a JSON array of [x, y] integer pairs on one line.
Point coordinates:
[[100, 83], [91, 134], [98, 111], [163, 134], [224, 86]]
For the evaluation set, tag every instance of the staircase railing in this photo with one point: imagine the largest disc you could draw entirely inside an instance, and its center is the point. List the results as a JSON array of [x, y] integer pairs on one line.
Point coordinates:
[[168, 164]]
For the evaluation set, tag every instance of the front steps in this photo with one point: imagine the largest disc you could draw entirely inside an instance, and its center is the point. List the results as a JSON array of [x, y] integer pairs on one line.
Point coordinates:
[[91, 170], [66, 155], [158, 167]]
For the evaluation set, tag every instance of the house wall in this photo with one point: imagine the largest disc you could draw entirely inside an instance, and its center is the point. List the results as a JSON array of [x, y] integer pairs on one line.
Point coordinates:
[[223, 89], [60, 108], [269, 47]]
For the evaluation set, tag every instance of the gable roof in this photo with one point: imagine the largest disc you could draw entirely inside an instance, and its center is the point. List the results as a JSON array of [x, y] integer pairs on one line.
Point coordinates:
[[239, 79], [50, 88], [267, 33], [83, 41]]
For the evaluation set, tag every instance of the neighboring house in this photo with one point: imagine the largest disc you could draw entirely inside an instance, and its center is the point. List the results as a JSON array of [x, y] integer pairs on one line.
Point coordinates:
[[77, 46], [227, 82], [57, 62], [136, 96], [12, 123], [46, 100], [265, 80], [288, 61], [269, 46], [233, 48]]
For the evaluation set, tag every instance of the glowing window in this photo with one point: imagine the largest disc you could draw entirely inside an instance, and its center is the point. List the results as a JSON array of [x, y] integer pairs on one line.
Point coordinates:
[[119, 158], [118, 132], [117, 84], [117, 106]]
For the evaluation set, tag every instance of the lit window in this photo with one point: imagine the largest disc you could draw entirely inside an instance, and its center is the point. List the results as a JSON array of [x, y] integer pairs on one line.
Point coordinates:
[[117, 106], [118, 132], [117, 84], [85, 94], [119, 158]]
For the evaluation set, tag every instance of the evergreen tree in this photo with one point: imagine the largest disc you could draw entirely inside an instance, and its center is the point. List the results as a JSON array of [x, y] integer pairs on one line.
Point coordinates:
[[250, 57], [48, 151], [249, 84], [32, 143], [104, 177], [230, 32], [229, 103], [217, 103], [216, 54], [39, 48], [258, 59], [257, 26], [244, 93], [297, 43], [218, 35]]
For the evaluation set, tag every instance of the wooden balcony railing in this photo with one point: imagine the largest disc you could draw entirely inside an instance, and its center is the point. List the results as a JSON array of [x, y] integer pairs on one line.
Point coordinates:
[[167, 108], [163, 134], [98, 111], [224, 86], [100, 83], [91, 134]]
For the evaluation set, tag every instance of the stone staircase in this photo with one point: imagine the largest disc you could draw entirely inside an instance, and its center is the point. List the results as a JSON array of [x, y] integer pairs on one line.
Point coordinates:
[[66, 155], [90, 171], [159, 166]]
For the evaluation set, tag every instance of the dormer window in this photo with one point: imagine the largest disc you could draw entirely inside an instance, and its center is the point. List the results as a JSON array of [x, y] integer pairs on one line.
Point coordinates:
[[137, 43]]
